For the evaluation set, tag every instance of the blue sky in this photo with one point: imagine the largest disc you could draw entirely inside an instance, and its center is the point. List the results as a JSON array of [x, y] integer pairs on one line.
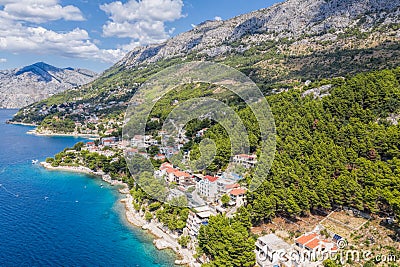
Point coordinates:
[[94, 34]]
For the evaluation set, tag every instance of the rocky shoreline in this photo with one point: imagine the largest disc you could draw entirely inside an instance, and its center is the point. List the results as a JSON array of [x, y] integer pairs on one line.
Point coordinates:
[[20, 123], [163, 240], [88, 136]]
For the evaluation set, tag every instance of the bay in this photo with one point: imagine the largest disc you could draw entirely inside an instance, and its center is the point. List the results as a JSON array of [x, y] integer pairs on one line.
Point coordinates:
[[50, 218]]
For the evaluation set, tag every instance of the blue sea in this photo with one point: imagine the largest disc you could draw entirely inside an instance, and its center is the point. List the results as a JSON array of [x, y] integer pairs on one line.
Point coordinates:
[[50, 218]]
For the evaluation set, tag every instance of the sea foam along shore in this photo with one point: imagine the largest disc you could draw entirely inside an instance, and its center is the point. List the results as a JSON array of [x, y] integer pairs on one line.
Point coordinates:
[[163, 239]]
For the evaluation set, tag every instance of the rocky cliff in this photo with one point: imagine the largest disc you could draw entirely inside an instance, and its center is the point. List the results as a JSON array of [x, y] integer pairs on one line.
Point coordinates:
[[304, 20]]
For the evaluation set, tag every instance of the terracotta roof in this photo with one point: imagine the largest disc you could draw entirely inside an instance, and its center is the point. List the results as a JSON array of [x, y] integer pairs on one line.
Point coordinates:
[[171, 170], [304, 239], [166, 165], [211, 178], [181, 174], [313, 243], [230, 186], [237, 191]]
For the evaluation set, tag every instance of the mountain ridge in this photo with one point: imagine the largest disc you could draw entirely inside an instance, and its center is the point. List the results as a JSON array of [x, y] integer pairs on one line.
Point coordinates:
[[289, 19], [279, 48], [23, 86]]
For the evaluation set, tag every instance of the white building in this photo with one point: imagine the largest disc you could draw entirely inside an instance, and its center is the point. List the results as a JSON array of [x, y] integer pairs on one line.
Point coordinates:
[[198, 218], [208, 186], [273, 251], [315, 243], [138, 141], [247, 161], [238, 196], [224, 185]]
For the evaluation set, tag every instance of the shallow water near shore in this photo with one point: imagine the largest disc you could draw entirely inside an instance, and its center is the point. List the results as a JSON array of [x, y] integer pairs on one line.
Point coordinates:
[[50, 218]]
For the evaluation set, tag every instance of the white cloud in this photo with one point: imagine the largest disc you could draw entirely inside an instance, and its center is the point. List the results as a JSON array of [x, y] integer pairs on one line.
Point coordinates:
[[20, 34], [142, 21], [39, 11], [217, 18], [3, 60], [16, 38]]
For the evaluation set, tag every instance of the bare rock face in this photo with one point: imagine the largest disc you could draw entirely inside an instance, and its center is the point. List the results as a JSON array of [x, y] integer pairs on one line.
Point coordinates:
[[21, 87], [290, 19]]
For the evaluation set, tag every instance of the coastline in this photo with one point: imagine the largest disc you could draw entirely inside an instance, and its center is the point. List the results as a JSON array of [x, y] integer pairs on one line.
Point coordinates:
[[48, 134], [20, 123], [162, 239]]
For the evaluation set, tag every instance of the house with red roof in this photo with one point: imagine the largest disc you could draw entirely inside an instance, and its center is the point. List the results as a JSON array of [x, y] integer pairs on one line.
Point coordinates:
[[90, 144], [207, 186], [224, 185], [166, 165], [170, 177], [180, 177], [314, 242], [238, 196]]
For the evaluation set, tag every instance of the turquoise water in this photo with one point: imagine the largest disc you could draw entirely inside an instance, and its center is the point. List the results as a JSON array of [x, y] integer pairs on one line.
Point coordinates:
[[50, 218]]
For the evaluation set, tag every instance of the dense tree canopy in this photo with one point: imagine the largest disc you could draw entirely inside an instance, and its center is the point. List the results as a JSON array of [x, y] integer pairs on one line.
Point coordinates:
[[341, 150], [227, 242]]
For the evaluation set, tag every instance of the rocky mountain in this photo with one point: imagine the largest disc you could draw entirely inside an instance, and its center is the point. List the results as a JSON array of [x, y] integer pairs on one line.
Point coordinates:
[[279, 47], [306, 21], [24, 86]]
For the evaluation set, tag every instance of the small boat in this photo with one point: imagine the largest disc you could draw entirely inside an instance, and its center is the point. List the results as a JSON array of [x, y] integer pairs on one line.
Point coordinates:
[[35, 161]]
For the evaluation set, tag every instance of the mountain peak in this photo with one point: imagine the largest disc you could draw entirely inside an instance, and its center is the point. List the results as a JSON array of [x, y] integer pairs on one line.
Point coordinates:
[[20, 87], [289, 20], [41, 70]]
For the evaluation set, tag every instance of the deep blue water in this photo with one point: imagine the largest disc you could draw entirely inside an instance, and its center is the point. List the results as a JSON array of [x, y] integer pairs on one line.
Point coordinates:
[[50, 218]]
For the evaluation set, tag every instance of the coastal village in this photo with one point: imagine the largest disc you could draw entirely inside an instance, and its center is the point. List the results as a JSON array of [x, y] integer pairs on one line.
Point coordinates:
[[220, 193], [327, 75]]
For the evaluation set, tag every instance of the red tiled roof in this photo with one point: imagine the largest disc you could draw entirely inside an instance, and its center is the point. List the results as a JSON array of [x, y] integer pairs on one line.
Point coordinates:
[[304, 239], [171, 170], [166, 165], [313, 243], [181, 174], [230, 186], [238, 191], [211, 178]]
